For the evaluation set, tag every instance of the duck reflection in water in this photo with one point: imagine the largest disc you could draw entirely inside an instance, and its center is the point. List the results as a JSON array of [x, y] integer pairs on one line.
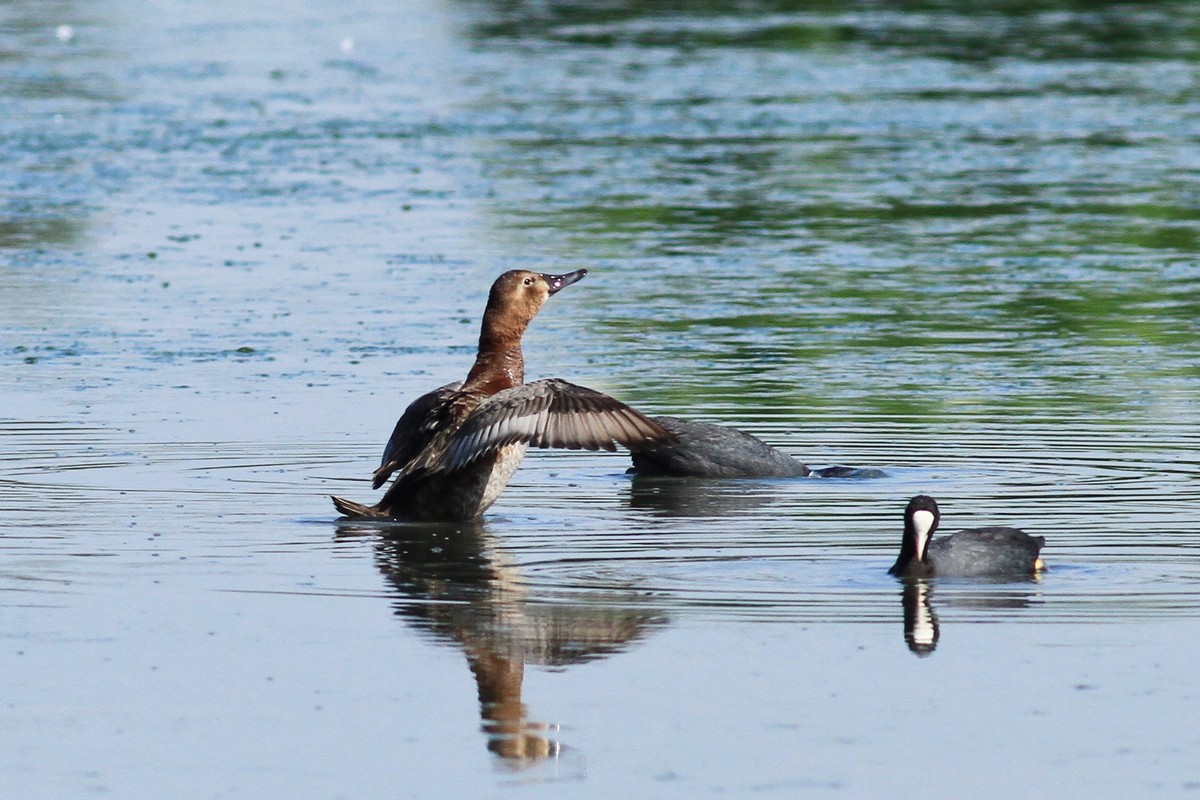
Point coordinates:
[[455, 583]]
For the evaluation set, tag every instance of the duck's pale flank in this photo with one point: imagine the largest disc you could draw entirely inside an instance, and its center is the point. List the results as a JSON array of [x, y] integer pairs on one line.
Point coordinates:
[[975, 552], [455, 448]]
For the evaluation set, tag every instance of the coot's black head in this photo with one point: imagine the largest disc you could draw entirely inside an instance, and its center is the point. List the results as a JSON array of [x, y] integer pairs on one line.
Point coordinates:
[[920, 521]]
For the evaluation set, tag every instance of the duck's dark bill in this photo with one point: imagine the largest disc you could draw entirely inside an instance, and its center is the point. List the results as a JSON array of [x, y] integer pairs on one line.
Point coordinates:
[[559, 281]]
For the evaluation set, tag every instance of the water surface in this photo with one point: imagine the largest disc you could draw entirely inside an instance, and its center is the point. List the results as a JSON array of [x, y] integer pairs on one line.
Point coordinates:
[[953, 242]]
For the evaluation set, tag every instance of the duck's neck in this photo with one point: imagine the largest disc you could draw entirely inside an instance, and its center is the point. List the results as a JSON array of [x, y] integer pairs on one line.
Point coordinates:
[[499, 364]]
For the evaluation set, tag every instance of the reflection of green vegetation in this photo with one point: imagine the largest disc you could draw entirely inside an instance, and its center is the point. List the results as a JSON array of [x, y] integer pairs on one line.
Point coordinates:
[[927, 207], [28, 233], [897, 342], [1160, 237], [1134, 314], [739, 214], [971, 32], [793, 36]]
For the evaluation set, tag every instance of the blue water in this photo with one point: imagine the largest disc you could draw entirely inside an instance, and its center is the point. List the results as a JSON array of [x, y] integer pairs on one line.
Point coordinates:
[[955, 243]]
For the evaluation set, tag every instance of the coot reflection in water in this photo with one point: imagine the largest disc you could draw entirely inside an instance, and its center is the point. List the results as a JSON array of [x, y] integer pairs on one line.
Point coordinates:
[[922, 629], [453, 581]]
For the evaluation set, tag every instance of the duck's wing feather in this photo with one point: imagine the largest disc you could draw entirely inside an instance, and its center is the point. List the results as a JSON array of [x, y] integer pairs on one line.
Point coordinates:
[[550, 413], [415, 429]]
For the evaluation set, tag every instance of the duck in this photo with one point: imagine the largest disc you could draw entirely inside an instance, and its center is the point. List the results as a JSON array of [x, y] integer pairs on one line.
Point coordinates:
[[455, 448], [975, 552], [706, 450]]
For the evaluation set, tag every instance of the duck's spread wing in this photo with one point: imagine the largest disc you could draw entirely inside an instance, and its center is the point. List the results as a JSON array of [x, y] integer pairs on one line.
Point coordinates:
[[415, 429], [550, 413]]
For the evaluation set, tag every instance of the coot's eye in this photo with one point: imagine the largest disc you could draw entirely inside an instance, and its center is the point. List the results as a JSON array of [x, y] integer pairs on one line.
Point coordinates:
[[529, 281]]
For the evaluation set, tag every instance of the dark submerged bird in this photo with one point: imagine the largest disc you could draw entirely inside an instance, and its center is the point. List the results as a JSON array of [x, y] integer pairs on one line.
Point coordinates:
[[455, 448], [974, 552], [705, 450]]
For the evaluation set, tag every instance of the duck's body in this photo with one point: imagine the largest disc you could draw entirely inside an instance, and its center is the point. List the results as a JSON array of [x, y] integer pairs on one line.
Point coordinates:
[[454, 449], [428, 427], [975, 552]]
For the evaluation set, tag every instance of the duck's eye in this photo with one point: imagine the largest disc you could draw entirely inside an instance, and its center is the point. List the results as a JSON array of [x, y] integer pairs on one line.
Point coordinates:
[[528, 281]]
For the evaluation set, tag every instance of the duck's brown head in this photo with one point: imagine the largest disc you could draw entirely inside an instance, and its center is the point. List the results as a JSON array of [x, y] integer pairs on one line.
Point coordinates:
[[519, 294], [515, 299]]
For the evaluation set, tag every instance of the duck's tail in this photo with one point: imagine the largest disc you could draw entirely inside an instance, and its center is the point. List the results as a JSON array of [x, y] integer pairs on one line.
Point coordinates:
[[353, 509]]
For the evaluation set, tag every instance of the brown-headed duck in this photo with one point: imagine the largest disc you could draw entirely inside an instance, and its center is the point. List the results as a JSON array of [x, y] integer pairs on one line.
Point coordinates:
[[455, 448], [975, 552], [705, 450]]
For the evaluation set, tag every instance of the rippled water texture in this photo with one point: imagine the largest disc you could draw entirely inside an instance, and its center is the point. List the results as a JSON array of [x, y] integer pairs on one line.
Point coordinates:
[[956, 242]]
